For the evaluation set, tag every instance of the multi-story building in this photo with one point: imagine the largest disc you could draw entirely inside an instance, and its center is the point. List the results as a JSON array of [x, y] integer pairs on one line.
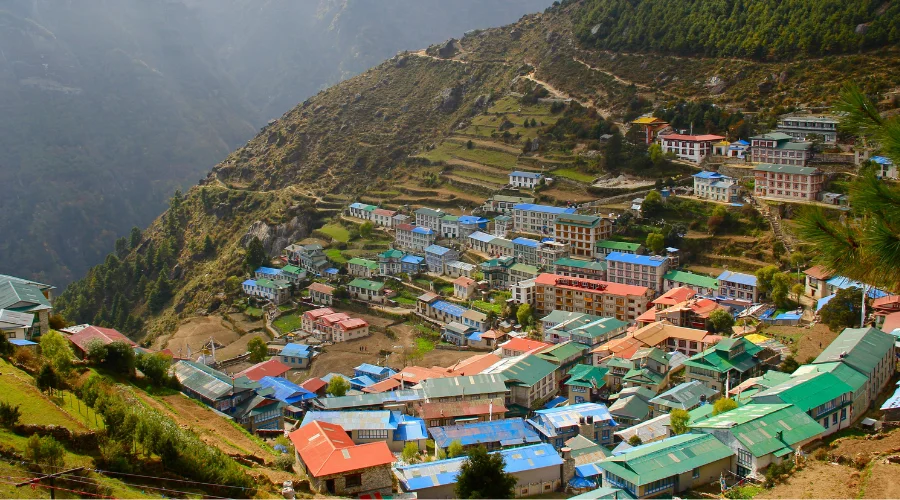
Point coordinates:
[[432, 306], [320, 293], [776, 148], [293, 274], [389, 262], [716, 187], [501, 246], [456, 268], [449, 227], [586, 329], [437, 258], [689, 147], [502, 225], [530, 379], [607, 247], [429, 217], [669, 337], [369, 291], [703, 285], [537, 219], [805, 127], [788, 182], [414, 238], [413, 264], [600, 298], [724, 365], [886, 169], [520, 272], [480, 242], [525, 180], [463, 287], [276, 291], [362, 268], [816, 278], [557, 425], [548, 252], [580, 268], [738, 286], [362, 210], [504, 204], [525, 250], [497, 271], [310, 257], [641, 270], [523, 292], [822, 395], [582, 232], [383, 217], [468, 224]]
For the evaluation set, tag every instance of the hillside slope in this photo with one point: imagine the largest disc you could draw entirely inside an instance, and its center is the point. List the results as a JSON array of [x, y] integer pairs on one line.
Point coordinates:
[[396, 134]]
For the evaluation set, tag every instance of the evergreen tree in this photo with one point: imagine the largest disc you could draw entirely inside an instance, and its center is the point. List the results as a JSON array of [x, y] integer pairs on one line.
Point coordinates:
[[679, 421], [121, 247], [256, 255], [482, 475], [135, 238], [844, 310]]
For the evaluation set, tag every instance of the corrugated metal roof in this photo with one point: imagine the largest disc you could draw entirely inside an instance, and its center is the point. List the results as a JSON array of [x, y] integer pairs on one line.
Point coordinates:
[[510, 431], [638, 260], [676, 455], [353, 420], [684, 396], [740, 278], [210, 384], [366, 400], [469, 385], [286, 391], [28, 297], [567, 416], [765, 428], [861, 348], [806, 391]]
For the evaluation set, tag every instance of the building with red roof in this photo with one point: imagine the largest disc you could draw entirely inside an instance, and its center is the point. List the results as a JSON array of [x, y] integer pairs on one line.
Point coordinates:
[[320, 293], [689, 147], [412, 375], [269, 368], [599, 298], [350, 329], [315, 385], [87, 335], [474, 365], [385, 385], [672, 297], [337, 467], [309, 318], [518, 346], [816, 278], [624, 348]]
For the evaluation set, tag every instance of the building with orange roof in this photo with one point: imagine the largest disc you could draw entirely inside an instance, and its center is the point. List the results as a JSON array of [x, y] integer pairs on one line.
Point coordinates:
[[315, 385], [463, 287], [668, 337], [518, 346], [624, 348], [816, 278], [672, 297], [474, 365], [600, 298], [337, 467], [320, 293], [488, 340], [309, 318], [84, 337], [385, 385], [412, 375], [269, 368], [693, 313], [351, 329]]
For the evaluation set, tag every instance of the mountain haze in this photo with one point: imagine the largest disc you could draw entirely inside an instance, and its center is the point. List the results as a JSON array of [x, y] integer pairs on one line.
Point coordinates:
[[109, 106]]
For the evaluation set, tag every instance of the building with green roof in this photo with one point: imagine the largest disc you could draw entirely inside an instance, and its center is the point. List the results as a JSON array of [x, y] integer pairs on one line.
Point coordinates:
[[703, 285], [293, 274], [870, 352], [667, 467], [531, 380], [761, 434], [565, 355], [685, 396], [724, 365], [19, 296], [857, 382], [362, 268], [586, 269], [367, 290], [632, 405], [606, 247], [481, 386], [823, 396], [585, 383], [521, 272], [561, 326]]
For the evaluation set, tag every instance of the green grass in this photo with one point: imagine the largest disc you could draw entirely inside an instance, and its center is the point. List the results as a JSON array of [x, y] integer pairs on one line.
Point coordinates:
[[337, 232], [285, 307], [17, 388], [76, 408], [405, 301], [575, 175], [288, 323], [469, 174], [424, 345], [449, 150], [487, 306], [334, 255], [253, 312]]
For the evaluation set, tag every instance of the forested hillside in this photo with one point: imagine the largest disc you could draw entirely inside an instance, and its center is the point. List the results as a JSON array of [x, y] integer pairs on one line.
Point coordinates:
[[757, 29], [412, 130]]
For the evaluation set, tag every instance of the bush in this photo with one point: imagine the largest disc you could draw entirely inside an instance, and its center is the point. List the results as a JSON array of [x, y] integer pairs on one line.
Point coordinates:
[[9, 414], [114, 457], [285, 461]]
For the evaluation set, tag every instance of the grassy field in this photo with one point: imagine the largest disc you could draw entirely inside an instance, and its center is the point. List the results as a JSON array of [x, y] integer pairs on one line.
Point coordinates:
[[288, 323], [334, 255], [424, 345], [575, 175], [337, 232], [487, 306], [448, 150], [17, 388], [468, 174]]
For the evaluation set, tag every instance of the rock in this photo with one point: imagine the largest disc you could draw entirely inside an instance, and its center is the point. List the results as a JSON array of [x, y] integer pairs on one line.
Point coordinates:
[[595, 29], [275, 238], [765, 86], [482, 100], [515, 34], [535, 144], [344, 127], [448, 100], [718, 89], [176, 272], [404, 108], [861, 29], [400, 62], [318, 108], [448, 49], [357, 97], [783, 77]]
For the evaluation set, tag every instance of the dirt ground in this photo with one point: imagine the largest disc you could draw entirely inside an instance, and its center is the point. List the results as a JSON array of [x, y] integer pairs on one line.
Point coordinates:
[[246, 323], [195, 332], [818, 480], [343, 357], [884, 481], [806, 342]]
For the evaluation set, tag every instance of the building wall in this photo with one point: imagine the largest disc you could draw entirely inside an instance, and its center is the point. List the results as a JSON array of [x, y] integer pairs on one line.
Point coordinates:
[[374, 479]]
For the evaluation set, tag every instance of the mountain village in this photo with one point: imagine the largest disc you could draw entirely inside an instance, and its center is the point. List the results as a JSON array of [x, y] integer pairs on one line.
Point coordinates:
[[593, 363]]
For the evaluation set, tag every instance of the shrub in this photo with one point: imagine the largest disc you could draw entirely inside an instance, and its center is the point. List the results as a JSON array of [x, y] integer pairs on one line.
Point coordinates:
[[9, 414], [285, 461]]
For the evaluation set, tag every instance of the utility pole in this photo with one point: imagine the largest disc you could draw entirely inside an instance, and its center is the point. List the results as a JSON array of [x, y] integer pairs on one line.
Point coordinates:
[[37, 480]]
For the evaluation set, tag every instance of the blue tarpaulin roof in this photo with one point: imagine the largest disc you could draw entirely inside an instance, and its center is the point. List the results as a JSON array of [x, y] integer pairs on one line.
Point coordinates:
[[787, 316], [422, 230], [21, 342], [528, 242], [824, 300], [588, 470], [472, 219], [286, 391], [641, 260], [553, 403], [511, 431], [446, 307], [892, 402], [364, 381], [412, 259], [268, 270], [331, 270], [544, 208], [844, 283], [409, 428], [298, 350], [474, 336], [580, 482]]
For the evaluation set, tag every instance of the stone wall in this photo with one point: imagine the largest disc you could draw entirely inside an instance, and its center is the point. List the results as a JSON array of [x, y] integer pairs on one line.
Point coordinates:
[[374, 480]]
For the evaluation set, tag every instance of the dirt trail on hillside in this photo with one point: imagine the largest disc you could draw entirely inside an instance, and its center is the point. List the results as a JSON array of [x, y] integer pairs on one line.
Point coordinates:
[[486, 144], [613, 75], [563, 95]]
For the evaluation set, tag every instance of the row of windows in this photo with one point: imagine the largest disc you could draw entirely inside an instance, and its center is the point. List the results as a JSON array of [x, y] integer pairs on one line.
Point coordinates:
[[373, 433]]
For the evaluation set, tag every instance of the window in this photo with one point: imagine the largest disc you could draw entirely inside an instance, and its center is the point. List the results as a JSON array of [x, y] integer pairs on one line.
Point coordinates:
[[834, 419], [825, 422], [843, 414], [353, 480], [696, 473], [372, 434], [745, 458]]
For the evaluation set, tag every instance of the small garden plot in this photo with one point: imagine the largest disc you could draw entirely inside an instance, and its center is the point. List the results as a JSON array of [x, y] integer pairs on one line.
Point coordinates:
[[337, 232], [574, 175], [288, 323]]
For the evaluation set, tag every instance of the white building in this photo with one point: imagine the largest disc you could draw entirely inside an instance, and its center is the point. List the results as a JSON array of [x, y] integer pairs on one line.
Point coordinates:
[[803, 127], [526, 180], [430, 217], [537, 219], [689, 147], [277, 291], [383, 217], [413, 238], [523, 292], [715, 186], [641, 270]]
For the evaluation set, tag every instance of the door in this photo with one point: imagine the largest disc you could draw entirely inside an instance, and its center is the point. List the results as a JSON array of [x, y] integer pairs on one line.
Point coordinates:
[[329, 485]]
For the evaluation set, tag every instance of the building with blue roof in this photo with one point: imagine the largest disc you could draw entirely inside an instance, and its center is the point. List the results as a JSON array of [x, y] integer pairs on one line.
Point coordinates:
[[469, 224], [590, 420], [717, 187], [537, 219], [392, 427], [287, 392], [886, 168], [413, 238], [525, 250], [268, 273], [296, 355], [841, 283], [378, 373], [531, 466], [525, 180], [437, 258], [413, 264], [480, 242], [640, 270], [738, 286], [493, 435], [361, 382]]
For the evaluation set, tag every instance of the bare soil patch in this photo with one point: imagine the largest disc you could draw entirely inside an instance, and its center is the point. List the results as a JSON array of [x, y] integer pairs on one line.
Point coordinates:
[[884, 481], [565, 195], [806, 342], [818, 480], [239, 346], [246, 323], [196, 331]]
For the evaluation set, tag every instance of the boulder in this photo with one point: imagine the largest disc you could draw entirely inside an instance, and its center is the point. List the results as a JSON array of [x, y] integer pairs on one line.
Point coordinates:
[[449, 99], [275, 237]]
